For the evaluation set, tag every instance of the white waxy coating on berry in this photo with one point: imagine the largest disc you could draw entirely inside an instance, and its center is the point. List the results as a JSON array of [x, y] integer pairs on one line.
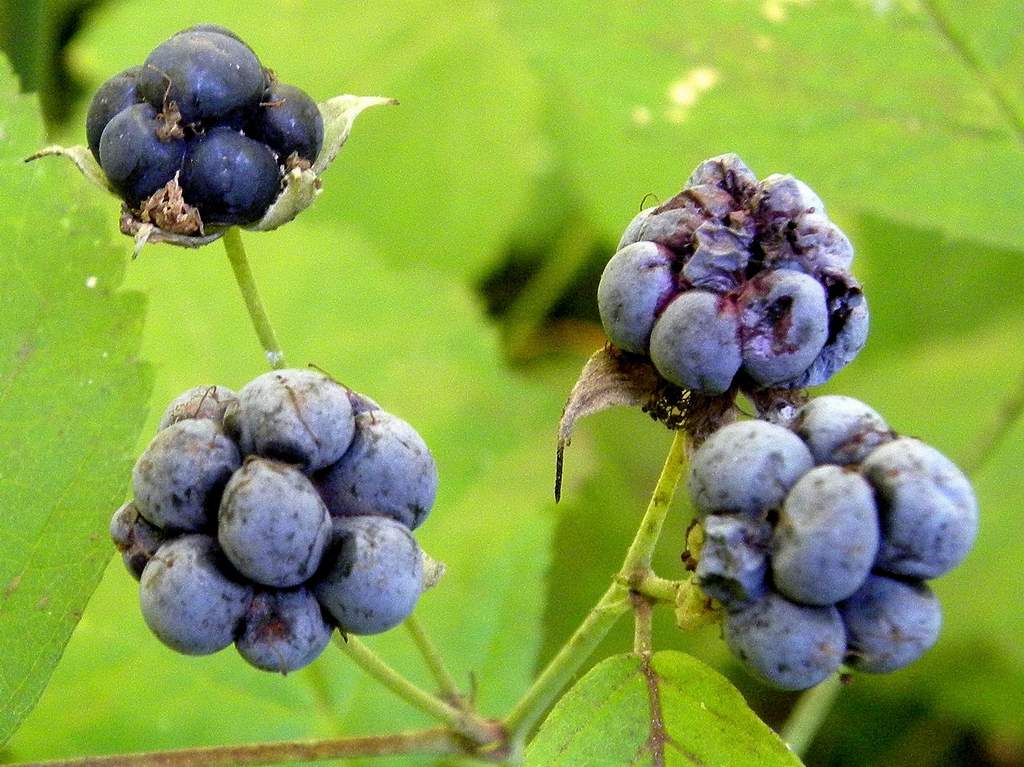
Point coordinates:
[[747, 468], [785, 645], [387, 471], [295, 416], [695, 342], [284, 630], [272, 524], [927, 507], [189, 599], [826, 538], [734, 559], [634, 230], [198, 402], [890, 624], [784, 325], [179, 478], [636, 283], [840, 430], [784, 196], [372, 575]]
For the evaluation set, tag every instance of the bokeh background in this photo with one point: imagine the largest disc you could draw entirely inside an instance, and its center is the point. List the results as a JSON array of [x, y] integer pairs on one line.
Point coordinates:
[[449, 271]]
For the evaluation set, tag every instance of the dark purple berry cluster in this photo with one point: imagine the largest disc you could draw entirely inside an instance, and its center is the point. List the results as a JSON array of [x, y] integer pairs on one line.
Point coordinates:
[[268, 517], [736, 282], [201, 134], [818, 539]]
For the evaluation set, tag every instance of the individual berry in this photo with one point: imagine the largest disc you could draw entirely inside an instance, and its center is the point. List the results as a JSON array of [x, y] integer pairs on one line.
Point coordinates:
[[231, 178], [135, 538], [813, 245], [198, 402], [388, 470], [785, 645], [272, 524], [720, 257], [215, 29], [136, 155], [784, 325], [847, 332], [296, 416], [727, 172], [783, 197], [890, 624], [635, 229], [734, 559], [747, 468], [189, 597], [635, 286], [209, 75], [372, 576], [289, 122], [826, 537], [672, 228], [284, 630], [178, 480], [115, 95], [840, 430], [929, 515], [695, 342]]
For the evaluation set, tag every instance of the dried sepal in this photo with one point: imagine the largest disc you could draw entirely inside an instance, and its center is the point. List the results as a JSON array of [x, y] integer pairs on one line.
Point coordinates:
[[83, 160]]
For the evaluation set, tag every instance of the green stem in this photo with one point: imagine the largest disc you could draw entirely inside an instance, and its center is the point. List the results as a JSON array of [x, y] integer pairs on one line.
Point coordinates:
[[808, 715], [660, 590], [616, 601], [247, 284], [446, 684], [465, 723], [432, 742], [643, 625]]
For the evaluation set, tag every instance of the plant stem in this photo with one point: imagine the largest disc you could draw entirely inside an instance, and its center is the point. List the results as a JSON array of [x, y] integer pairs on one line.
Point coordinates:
[[616, 601], [660, 590], [643, 625], [247, 284], [465, 723], [446, 684], [808, 715], [435, 742]]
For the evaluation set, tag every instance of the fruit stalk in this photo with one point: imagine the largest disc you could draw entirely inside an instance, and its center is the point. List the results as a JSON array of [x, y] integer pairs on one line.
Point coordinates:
[[247, 284], [446, 684], [809, 714]]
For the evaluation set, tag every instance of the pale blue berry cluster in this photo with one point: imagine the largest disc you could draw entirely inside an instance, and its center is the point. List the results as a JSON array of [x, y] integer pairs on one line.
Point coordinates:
[[269, 517]]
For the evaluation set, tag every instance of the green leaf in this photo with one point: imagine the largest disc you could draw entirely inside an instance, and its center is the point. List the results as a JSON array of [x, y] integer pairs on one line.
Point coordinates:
[[873, 104], [73, 395], [669, 709]]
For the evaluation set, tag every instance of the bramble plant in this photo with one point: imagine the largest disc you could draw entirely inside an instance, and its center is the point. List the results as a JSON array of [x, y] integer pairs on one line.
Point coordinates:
[[284, 515]]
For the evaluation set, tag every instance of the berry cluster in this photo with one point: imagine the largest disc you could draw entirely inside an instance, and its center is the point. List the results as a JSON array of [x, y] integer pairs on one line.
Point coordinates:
[[735, 281], [267, 517], [201, 128], [818, 539]]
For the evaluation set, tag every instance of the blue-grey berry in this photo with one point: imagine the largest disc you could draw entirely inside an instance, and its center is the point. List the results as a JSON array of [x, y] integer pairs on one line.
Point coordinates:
[[695, 342], [198, 402], [847, 330], [272, 524], [785, 197], [818, 244], [635, 228], [136, 157], [728, 172], [372, 575], [840, 430], [388, 471], [289, 122], [784, 325], [734, 559], [928, 511], [190, 598], [135, 538], [283, 631], [720, 256], [890, 624], [747, 468], [115, 95], [636, 284], [178, 480], [785, 645], [295, 416], [826, 537]]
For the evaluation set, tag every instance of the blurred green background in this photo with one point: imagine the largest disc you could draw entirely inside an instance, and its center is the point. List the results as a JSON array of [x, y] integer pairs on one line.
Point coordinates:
[[449, 271]]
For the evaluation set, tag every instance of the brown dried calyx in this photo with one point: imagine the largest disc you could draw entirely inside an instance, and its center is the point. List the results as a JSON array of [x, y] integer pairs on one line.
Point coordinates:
[[167, 210]]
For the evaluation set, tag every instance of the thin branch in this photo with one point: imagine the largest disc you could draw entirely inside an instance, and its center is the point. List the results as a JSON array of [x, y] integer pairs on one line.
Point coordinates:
[[431, 742], [989, 439], [660, 590], [247, 284], [808, 715], [446, 683], [643, 625], [463, 722]]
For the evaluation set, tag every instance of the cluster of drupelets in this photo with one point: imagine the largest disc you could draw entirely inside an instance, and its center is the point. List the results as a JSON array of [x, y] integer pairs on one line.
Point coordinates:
[[817, 530], [267, 518], [201, 133]]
